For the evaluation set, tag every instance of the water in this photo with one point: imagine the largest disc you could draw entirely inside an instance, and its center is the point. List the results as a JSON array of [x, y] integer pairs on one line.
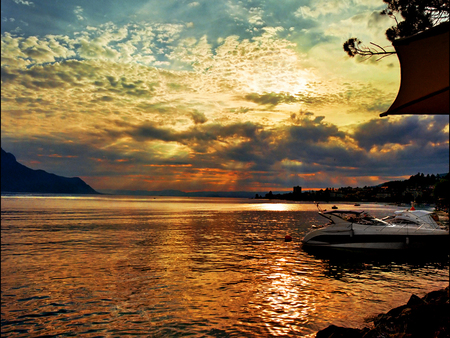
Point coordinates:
[[162, 267]]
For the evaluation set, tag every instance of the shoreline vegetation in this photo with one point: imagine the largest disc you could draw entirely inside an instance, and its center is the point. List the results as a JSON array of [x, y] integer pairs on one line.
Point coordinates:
[[424, 317], [420, 189]]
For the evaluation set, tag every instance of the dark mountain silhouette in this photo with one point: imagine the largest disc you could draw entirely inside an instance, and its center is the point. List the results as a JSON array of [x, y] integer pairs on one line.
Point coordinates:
[[18, 178]]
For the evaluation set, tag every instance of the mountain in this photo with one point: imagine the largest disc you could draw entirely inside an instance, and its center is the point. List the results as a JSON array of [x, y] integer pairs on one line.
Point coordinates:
[[18, 178]]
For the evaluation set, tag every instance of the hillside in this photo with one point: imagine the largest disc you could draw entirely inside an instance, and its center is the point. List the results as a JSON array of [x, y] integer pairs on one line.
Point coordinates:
[[418, 188], [19, 178]]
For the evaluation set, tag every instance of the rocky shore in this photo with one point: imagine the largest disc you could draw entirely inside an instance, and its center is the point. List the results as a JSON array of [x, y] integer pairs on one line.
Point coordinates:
[[424, 317]]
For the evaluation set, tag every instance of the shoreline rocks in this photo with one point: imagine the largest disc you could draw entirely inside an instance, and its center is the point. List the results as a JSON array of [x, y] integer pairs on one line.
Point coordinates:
[[424, 317]]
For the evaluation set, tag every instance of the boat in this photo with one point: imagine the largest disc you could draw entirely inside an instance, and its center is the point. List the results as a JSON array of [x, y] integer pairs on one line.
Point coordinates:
[[355, 230]]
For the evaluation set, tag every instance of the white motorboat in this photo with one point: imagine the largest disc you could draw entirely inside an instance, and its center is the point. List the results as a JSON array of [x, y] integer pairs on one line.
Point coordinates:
[[349, 229]]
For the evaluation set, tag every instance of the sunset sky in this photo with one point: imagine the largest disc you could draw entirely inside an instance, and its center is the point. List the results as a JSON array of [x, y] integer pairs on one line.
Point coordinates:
[[208, 95]]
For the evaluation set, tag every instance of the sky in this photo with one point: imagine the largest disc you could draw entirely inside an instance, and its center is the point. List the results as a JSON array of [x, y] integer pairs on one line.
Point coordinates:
[[254, 95]]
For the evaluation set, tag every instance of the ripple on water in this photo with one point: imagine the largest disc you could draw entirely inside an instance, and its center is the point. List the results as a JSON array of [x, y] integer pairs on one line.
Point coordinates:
[[176, 268]]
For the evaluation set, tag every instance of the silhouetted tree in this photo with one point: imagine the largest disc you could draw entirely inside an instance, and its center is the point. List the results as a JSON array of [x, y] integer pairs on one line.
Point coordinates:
[[269, 195], [418, 15], [442, 188]]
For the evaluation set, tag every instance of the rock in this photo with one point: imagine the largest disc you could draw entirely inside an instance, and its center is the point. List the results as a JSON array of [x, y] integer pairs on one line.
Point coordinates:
[[419, 318], [437, 296], [334, 331], [415, 300]]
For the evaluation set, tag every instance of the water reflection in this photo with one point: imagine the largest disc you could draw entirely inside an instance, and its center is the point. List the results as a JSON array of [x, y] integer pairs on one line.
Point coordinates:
[[286, 310], [340, 262], [274, 207], [141, 268]]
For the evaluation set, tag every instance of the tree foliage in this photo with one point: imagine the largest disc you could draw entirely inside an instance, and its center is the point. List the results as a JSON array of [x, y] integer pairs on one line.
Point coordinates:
[[418, 16], [354, 46]]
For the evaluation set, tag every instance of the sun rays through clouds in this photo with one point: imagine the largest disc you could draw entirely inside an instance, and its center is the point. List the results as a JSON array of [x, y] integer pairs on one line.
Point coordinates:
[[205, 96]]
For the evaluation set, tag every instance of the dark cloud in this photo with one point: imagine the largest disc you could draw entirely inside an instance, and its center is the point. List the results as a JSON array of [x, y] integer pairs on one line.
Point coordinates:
[[271, 99], [84, 157], [413, 145], [60, 74], [105, 99], [304, 142], [258, 152], [317, 145], [8, 75], [313, 131], [149, 131], [198, 117], [408, 130], [309, 152]]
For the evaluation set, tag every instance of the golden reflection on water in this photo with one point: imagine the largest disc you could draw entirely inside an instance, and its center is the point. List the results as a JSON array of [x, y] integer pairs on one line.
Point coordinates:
[[139, 267], [287, 308], [274, 207]]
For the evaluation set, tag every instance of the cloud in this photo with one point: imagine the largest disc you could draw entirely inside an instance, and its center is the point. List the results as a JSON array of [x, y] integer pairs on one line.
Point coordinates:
[[308, 151], [271, 99], [321, 8], [407, 131], [256, 16], [266, 69], [24, 2], [192, 52], [251, 97], [198, 117], [19, 52], [198, 133], [130, 43], [78, 12]]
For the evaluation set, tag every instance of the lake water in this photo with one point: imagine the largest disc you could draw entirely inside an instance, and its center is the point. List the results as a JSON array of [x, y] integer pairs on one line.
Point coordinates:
[[109, 266]]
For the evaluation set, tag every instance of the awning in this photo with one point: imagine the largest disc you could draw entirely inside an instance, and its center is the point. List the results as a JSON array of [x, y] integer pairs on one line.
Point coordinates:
[[424, 64]]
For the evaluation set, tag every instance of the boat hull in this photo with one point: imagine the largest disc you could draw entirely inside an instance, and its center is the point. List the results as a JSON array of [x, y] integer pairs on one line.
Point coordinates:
[[381, 242]]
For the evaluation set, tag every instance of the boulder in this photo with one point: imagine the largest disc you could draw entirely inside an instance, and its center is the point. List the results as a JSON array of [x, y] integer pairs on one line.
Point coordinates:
[[334, 331], [424, 317]]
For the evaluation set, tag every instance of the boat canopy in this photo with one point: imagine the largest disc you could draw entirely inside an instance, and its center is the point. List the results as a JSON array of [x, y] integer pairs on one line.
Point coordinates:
[[419, 217]]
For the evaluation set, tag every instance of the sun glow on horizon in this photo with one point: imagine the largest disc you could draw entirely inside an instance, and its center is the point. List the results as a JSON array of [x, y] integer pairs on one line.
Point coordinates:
[[156, 98]]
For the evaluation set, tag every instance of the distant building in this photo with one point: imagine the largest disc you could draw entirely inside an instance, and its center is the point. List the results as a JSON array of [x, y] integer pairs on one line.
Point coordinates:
[[297, 191]]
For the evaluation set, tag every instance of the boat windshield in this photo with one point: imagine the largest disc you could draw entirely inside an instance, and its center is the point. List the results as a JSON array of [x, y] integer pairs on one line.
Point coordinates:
[[359, 217], [418, 218]]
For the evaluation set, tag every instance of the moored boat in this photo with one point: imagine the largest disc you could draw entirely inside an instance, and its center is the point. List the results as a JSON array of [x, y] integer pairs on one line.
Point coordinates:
[[349, 229]]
